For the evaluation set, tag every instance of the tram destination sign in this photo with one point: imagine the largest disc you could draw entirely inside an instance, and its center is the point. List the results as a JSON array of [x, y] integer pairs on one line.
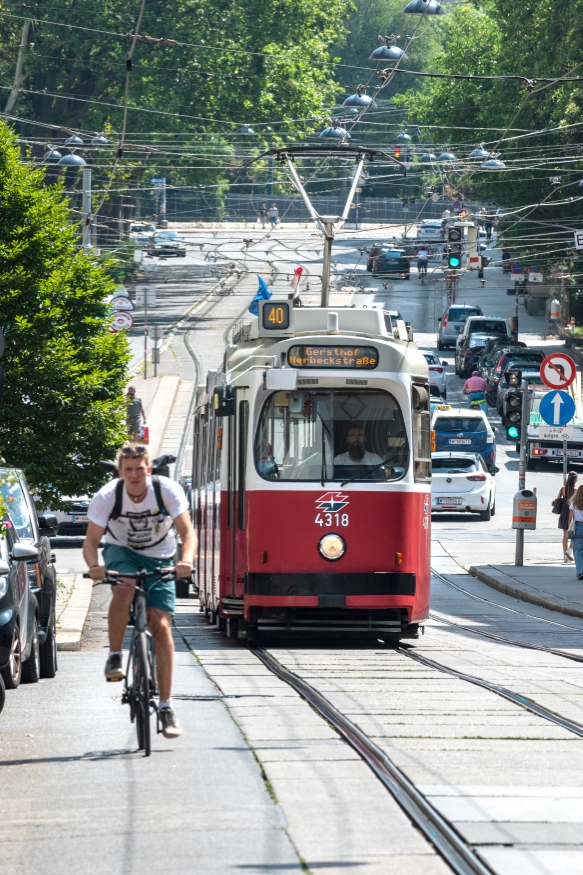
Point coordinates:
[[363, 358]]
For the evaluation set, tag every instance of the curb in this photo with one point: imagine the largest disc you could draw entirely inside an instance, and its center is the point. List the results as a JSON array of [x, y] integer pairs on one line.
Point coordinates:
[[72, 618], [522, 595]]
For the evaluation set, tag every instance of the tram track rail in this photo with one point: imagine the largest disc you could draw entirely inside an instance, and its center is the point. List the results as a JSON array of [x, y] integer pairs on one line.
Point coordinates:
[[437, 830]]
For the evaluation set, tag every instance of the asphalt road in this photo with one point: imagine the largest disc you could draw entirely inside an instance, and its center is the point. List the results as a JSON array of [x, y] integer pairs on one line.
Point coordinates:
[[259, 782]]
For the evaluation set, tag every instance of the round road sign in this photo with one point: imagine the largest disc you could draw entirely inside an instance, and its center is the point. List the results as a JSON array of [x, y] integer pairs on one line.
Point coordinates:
[[516, 267], [558, 370], [121, 302], [122, 321], [557, 408]]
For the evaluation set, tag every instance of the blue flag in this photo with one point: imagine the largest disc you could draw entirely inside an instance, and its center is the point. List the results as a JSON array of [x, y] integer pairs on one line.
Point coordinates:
[[263, 294]]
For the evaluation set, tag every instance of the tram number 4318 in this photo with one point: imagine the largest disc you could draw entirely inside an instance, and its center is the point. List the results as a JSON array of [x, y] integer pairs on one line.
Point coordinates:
[[331, 519]]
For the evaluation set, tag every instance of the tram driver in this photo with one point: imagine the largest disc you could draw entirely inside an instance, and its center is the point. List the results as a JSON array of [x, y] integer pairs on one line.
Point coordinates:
[[357, 454]]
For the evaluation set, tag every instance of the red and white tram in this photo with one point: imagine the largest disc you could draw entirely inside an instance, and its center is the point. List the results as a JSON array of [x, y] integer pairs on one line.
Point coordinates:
[[311, 476]]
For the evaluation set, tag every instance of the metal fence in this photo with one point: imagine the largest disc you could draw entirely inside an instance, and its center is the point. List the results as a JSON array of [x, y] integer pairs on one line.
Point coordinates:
[[199, 207]]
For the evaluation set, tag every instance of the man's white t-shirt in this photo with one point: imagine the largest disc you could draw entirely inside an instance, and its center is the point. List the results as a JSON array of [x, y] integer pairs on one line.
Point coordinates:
[[367, 459], [140, 527]]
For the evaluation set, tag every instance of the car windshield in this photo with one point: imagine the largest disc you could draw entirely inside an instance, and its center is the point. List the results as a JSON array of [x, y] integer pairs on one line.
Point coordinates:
[[523, 362], [331, 435], [488, 326], [451, 424], [455, 465], [391, 253], [431, 358], [477, 340], [17, 508], [460, 314], [167, 235]]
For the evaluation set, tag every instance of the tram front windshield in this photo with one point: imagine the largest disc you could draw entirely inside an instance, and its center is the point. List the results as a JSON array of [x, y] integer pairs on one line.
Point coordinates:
[[331, 434]]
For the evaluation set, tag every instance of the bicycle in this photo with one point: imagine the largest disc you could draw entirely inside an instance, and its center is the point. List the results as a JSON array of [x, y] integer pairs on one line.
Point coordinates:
[[140, 685], [422, 269]]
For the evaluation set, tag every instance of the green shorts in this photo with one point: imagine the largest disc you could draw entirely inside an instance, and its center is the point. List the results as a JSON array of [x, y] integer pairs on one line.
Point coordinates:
[[160, 594]]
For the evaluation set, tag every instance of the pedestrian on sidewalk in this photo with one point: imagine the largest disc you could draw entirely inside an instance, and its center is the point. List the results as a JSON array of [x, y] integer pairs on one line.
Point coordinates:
[[563, 500], [576, 525], [262, 215], [489, 223], [273, 215], [135, 414]]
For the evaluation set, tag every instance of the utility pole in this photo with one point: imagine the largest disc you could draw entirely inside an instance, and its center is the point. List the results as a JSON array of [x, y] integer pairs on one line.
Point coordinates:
[[524, 420], [86, 231]]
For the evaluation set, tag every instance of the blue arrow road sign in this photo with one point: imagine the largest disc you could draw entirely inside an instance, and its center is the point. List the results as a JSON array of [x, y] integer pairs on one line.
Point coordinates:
[[557, 408]]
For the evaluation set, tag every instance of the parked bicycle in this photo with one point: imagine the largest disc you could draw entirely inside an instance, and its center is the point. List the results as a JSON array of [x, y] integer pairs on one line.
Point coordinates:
[[140, 685]]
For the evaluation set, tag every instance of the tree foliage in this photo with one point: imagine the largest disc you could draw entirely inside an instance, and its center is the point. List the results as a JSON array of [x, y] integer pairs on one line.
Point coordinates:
[[63, 407]]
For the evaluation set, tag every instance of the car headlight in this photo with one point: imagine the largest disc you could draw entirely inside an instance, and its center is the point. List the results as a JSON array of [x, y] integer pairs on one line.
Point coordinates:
[[3, 586], [332, 547]]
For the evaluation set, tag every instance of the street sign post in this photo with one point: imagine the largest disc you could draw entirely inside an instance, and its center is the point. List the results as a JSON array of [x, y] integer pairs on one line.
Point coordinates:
[[557, 408], [146, 297], [558, 371]]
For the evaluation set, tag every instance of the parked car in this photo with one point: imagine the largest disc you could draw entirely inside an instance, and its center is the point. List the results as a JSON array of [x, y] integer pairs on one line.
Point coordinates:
[[452, 322], [493, 325], [73, 519], [391, 261], [166, 243], [140, 232], [437, 375], [469, 351], [461, 482], [491, 354], [34, 531], [464, 430], [19, 613]]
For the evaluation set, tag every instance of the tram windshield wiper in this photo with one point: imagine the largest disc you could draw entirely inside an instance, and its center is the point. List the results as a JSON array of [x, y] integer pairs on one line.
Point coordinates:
[[370, 470]]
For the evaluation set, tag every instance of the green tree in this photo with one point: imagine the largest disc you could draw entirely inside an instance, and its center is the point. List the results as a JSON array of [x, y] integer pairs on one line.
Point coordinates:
[[65, 372]]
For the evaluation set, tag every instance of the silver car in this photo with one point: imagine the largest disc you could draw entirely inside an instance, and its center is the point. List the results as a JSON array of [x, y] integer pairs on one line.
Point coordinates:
[[452, 322], [437, 375]]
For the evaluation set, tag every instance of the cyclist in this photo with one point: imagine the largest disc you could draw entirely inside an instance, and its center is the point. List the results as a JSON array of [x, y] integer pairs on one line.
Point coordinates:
[[475, 388], [136, 520], [422, 259]]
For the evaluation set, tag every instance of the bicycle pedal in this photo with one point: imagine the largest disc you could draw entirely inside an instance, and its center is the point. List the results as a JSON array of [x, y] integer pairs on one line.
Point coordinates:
[[113, 680]]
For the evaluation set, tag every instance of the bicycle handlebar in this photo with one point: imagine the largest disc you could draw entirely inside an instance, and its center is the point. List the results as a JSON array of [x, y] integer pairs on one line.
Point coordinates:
[[113, 577]]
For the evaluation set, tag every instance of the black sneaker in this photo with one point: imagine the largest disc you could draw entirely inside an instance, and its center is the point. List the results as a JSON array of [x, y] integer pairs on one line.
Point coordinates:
[[171, 727], [113, 668]]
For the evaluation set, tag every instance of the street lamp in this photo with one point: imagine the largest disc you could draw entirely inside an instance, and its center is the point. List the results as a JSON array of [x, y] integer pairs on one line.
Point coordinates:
[[424, 7], [246, 129], [403, 138], [99, 140], [447, 157], [493, 163], [428, 157], [359, 101], [75, 161], [334, 133], [480, 152], [74, 141], [388, 53], [52, 155]]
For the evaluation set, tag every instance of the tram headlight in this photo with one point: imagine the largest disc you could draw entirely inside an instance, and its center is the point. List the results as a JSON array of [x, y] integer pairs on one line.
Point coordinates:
[[332, 547]]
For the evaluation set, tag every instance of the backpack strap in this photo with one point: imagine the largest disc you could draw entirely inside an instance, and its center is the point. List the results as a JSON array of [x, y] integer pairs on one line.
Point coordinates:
[[117, 505], [158, 493]]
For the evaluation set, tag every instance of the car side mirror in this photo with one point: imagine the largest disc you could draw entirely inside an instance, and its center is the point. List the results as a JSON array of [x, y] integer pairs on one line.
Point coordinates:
[[494, 469], [4, 567], [48, 525], [494, 429], [445, 364], [439, 320], [23, 553], [223, 402]]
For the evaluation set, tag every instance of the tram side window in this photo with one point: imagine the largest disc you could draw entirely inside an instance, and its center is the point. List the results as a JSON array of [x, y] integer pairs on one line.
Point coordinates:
[[421, 433], [331, 435]]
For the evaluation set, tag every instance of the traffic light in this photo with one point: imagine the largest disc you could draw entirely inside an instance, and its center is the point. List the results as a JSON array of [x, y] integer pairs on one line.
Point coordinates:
[[409, 153], [454, 258], [397, 153], [513, 432], [513, 407]]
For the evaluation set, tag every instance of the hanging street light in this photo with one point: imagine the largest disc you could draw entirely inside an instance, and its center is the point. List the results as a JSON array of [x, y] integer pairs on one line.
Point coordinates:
[[246, 129], [72, 160], [52, 155], [447, 157], [493, 163], [74, 141], [480, 152], [429, 157], [358, 101], [403, 138], [388, 53], [99, 140], [424, 7], [334, 133]]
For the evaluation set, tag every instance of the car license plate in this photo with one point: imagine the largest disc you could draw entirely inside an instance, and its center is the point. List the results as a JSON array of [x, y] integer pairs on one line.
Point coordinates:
[[449, 502], [569, 452], [460, 441], [79, 519]]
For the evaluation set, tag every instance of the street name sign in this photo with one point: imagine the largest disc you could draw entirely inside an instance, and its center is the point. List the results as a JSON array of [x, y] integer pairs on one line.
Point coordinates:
[[557, 408], [121, 302], [558, 371]]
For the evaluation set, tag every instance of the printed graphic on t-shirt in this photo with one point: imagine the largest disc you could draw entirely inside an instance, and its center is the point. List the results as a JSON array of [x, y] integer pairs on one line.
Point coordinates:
[[139, 529]]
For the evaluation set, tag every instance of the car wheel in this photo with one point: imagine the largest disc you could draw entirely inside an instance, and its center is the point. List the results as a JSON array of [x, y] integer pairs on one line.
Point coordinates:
[[444, 396], [492, 398], [493, 509], [2, 693], [31, 668], [13, 671], [440, 345], [48, 651], [486, 514]]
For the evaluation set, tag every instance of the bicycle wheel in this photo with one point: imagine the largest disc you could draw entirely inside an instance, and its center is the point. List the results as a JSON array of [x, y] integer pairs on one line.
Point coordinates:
[[141, 692]]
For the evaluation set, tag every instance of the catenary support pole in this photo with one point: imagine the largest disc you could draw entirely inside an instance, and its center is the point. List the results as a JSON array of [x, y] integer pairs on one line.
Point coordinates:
[[524, 420], [86, 229]]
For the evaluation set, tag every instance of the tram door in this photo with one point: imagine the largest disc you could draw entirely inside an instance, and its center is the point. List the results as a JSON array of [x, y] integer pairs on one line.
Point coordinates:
[[235, 547]]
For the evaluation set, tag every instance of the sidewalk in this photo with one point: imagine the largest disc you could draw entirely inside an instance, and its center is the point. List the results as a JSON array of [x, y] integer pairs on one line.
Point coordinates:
[[550, 586]]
